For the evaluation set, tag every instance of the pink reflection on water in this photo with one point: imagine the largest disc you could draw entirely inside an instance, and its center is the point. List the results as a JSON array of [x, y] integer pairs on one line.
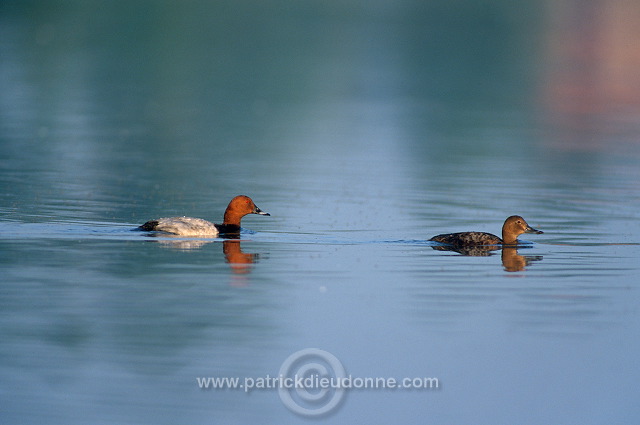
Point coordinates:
[[591, 92]]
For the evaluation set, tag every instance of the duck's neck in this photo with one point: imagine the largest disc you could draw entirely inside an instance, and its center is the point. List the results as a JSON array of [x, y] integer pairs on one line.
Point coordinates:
[[232, 218], [509, 238]]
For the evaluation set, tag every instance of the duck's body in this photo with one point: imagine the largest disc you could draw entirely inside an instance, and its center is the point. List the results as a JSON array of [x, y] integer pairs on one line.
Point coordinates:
[[468, 239], [511, 229], [190, 226]]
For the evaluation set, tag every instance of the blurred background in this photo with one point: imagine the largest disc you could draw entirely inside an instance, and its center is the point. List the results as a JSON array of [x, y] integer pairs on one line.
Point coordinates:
[[364, 128], [119, 95]]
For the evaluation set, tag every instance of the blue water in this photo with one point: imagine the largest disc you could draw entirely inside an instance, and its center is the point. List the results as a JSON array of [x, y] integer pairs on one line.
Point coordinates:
[[364, 129]]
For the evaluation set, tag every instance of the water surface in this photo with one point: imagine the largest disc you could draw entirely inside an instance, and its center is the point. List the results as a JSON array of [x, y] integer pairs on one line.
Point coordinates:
[[364, 130]]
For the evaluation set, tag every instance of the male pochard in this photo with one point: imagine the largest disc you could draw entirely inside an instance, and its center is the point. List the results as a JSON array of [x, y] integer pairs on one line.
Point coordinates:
[[511, 229], [188, 226]]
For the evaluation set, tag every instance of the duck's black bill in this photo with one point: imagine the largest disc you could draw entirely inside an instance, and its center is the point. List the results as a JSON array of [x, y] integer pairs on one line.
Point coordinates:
[[260, 212], [532, 230]]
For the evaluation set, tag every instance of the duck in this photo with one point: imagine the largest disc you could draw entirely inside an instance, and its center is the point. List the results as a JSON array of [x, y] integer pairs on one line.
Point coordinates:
[[513, 227], [239, 206]]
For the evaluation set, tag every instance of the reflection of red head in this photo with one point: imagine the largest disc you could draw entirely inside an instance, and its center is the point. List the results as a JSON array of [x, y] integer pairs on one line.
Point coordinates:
[[239, 261]]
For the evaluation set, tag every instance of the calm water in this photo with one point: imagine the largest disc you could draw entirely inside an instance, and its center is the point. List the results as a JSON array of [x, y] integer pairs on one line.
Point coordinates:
[[364, 129]]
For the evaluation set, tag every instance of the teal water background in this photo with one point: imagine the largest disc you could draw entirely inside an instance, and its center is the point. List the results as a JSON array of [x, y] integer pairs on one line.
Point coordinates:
[[364, 128]]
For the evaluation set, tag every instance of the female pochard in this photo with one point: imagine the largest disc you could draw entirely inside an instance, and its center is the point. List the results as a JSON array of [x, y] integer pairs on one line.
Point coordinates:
[[511, 229]]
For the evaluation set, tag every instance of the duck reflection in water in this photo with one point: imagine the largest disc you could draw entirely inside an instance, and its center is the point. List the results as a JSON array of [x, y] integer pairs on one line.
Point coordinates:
[[511, 260], [239, 261]]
